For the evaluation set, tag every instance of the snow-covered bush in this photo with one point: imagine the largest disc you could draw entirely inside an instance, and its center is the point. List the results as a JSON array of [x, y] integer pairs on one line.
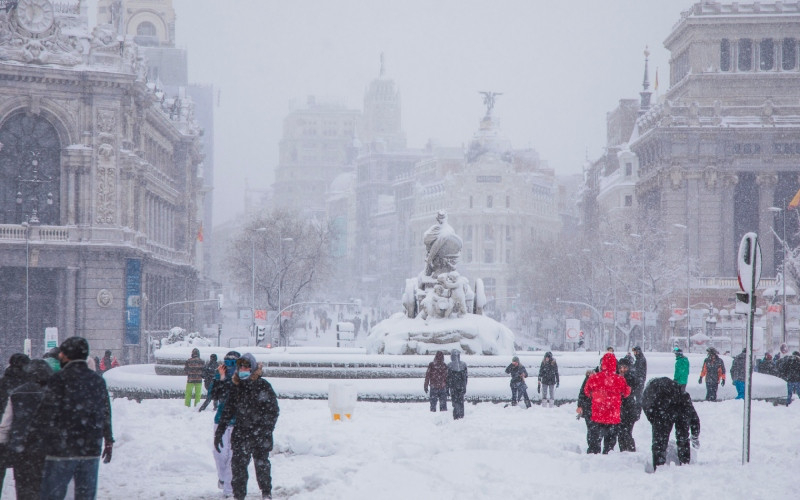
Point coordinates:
[[178, 337]]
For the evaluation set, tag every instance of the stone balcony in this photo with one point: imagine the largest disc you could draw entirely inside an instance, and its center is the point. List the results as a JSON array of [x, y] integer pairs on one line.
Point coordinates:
[[74, 236]]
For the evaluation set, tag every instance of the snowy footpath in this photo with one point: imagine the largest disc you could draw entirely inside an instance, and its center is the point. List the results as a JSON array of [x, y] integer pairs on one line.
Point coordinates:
[[403, 451]]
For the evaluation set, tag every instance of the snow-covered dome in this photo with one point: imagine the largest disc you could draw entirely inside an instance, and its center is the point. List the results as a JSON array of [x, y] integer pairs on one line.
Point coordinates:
[[488, 140], [343, 183]]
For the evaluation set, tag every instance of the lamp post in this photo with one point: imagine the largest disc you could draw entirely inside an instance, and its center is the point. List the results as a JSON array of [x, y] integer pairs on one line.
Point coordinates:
[[782, 211], [27, 227], [688, 292], [253, 280], [641, 249], [280, 286]]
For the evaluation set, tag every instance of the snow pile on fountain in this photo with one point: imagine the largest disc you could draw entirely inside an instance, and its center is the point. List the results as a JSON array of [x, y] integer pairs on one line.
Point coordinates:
[[470, 334]]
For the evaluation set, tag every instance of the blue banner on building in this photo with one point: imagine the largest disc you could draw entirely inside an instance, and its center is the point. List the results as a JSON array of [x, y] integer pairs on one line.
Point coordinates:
[[133, 301]]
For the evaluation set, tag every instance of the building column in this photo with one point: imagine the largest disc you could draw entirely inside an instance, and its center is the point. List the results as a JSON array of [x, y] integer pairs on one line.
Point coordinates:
[[71, 302], [766, 198], [727, 229]]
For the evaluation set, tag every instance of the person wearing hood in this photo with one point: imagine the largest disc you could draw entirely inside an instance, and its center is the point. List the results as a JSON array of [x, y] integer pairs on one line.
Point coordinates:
[[457, 383], [738, 372], [193, 368], [714, 373], [209, 373], [13, 377], [681, 376], [519, 389], [26, 454], [108, 362], [218, 391], [639, 369], [548, 378], [254, 406], [436, 379], [665, 406], [606, 389]]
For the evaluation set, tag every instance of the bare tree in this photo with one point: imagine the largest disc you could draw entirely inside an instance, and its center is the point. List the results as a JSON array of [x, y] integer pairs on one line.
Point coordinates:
[[283, 257]]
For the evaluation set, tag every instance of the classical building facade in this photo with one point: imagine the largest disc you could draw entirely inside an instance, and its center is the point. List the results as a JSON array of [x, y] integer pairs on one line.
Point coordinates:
[[723, 146], [99, 186]]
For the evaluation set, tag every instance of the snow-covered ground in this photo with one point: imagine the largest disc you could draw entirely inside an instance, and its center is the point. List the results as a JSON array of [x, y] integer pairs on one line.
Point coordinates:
[[401, 451]]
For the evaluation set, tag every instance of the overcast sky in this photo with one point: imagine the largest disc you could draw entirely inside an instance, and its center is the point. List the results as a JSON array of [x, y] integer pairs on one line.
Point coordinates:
[[561, 65]]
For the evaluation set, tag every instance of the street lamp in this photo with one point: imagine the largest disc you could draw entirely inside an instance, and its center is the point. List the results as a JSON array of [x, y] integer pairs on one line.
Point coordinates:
[[641, 249], [783, 269], [253, 280], [280, 286], [688, 292], [27, 227]]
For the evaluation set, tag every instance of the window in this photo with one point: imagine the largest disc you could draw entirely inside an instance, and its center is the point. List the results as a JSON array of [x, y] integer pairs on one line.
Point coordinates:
[[766, 60], [509, 231], [488, 232], [628, 169], [789, 53], [628, 200], [725, 55], [146, 29], [469, 255], [488, 255], [489, 288], [508, 202], [489, 201], [745, 54], [468, 233], [508, 255], [470, 201]]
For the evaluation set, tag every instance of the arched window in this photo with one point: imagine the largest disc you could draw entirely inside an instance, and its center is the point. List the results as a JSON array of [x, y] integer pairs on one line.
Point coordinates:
[[146, 28], [30, 170]]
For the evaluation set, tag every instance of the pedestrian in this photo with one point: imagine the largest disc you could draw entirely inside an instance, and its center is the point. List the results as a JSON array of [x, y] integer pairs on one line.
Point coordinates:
[[789, 370], [639, 369], [767, 365], [73, 421], [25, 453], [219, 391], [584, 409], [665, 405], [606, 389], [108, 362], [457, 383], [436, 380], [209, 370], [193, 368], [681, 376], [738, 372], [254, 406], [13, 377], [783, 351], [519, 390], [548, 379], [631, 406], [714, 373]]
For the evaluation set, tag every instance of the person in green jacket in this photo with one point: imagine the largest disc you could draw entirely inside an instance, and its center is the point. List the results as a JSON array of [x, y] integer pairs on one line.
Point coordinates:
[[681, 376]]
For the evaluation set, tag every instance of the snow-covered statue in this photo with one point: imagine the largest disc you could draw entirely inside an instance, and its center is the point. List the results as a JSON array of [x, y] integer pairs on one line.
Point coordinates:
[[442, 311], [442, 245]]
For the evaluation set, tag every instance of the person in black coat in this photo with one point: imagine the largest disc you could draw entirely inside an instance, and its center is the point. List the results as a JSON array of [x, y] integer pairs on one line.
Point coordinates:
[[639, 369], [457, 383], [519, 389], [26, 453], [739, 372], [789, 370], [584, 409], [666, 406], [631, 407], [254, 405], [73, 421], [13, 377]]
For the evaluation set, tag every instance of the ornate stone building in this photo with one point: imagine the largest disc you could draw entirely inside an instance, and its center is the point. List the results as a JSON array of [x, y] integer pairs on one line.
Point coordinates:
[[99, 187], [723, 146]]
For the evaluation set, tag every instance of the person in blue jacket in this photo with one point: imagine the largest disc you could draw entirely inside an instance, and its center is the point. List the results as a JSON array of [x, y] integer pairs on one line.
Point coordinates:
[[218, 392]]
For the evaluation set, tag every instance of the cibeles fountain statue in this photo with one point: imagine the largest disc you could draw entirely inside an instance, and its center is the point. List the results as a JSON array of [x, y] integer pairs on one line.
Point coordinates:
[[442, 311]]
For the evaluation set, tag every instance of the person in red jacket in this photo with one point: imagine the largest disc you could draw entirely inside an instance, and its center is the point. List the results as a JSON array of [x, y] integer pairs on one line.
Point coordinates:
[[606, 389], [436, 378]]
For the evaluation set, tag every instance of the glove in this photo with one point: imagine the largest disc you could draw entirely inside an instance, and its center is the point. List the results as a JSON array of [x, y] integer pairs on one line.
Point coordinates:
[[107, 452], [700, 380], [723, 382], [218, 442], [426, 390], [695, 442]]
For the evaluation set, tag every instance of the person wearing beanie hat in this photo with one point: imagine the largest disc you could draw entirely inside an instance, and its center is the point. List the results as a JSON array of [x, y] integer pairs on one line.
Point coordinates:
[[436, 379], [254, 406], [714, 372], [27, 460], [218, 391], [631, 406], [457, 377], [519, 389], [548, 379], [193, 368], [73, 422], [789, 370], [681, 375]]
